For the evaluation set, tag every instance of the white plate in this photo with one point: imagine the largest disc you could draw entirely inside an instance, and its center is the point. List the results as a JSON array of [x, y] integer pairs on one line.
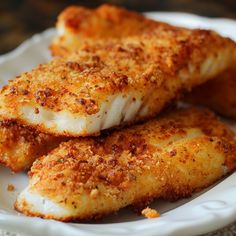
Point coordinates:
[[206, 211]]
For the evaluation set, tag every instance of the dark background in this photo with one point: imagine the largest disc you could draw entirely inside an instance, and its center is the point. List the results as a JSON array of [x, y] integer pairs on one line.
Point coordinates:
[[19, 19]]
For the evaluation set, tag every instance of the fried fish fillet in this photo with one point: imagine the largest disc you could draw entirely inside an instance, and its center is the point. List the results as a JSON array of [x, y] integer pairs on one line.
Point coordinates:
[[76, 24], [111, 83], [218, 94], [20, 146], [169, 158]]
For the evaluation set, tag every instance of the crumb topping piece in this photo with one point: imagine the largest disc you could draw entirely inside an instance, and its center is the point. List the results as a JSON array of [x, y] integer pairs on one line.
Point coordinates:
[[10, 187], [150, 213]]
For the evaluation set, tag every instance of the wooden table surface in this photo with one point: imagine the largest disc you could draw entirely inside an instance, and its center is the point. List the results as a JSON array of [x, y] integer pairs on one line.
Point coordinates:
[[19, 19]]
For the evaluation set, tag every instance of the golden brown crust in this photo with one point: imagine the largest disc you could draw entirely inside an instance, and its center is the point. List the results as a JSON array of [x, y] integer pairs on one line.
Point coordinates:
[[20, 146], [100, 69], [169, 158], [80, 24], [84, 20], [150, 213], [163, 63], [10, 188], [218, 94], [104, 22], [107, 22]]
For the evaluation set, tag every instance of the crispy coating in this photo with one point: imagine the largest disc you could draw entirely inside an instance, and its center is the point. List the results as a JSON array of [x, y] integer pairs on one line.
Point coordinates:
[[20, 146], [170, 157], [76, 24], [156, 66], [218, 94], [150, 213]]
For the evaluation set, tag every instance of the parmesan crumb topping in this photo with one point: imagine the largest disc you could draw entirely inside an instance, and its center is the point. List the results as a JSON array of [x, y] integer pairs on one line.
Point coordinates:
[[150, 213], [10, 187]]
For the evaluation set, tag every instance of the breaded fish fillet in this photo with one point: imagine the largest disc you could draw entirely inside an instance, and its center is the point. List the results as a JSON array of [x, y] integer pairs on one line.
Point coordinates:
[[115, 82], [169, 158], [76, 24], [20, 146], [218, 94]]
